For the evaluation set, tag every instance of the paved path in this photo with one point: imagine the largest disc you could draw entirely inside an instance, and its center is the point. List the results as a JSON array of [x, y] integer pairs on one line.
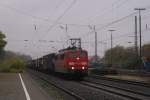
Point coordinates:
[[20, 87]]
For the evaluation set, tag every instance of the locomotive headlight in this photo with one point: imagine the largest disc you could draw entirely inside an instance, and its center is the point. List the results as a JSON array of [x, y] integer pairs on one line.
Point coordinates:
[[83, 67], [84, 63], [71, 63], [72, 68], [78, 58]]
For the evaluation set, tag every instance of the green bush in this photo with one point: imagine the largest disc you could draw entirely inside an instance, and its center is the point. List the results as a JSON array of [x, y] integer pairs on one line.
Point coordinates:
[[12, 65], [4, 67]]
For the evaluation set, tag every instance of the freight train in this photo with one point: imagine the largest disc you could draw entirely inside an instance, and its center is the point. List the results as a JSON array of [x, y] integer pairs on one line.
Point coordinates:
[[70, 61]]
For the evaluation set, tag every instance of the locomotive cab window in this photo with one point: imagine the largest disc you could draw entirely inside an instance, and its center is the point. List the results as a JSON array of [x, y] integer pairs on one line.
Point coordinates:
[[83, 54], [62, 56]]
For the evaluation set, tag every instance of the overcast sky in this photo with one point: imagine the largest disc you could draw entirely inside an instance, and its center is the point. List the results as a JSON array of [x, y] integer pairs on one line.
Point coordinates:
[[37, 27]]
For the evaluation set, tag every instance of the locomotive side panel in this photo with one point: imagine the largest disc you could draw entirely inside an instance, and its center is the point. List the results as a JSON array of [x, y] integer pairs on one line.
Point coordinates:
[[60, 63]]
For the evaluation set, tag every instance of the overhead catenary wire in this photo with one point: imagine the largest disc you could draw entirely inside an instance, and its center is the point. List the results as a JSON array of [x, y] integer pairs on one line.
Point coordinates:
[[123, 35], [46, 20], [62, 15], [57, 6], [108, 39], [58, 41], [121, 19], [18, 11], [85, 25], [118, 20], [109, 24], [146, 17], [122, 3], [114, 22], [105, 10], [23, 12]]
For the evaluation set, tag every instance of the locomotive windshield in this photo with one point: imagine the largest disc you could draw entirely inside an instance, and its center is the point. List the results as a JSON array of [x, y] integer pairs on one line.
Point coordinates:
[[75, 54]]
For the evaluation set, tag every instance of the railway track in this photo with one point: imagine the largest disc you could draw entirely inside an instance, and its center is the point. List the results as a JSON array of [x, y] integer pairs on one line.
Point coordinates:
[[137, 83], [132, 90], [118, 91], [85, 90], [74, 95]]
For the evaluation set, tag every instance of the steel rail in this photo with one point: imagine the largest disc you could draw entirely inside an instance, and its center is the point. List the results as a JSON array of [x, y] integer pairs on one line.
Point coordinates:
[[105, 87], [77, 97], [143, 84]]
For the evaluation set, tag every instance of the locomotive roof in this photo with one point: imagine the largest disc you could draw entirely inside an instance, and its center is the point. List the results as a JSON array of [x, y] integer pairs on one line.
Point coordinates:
[[51, 54], [69, 49]]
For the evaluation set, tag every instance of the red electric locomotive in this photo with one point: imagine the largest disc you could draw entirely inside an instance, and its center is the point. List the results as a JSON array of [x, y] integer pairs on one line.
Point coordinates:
[[72, 60]]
